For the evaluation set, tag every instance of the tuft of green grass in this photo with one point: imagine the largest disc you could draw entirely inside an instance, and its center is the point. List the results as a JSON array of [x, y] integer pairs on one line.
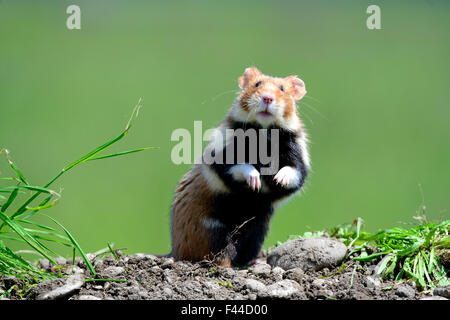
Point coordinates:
[[401, 253], [16, 215]]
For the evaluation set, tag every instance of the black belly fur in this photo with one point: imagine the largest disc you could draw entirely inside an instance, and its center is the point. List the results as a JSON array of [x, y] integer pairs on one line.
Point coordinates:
[[245, 214]]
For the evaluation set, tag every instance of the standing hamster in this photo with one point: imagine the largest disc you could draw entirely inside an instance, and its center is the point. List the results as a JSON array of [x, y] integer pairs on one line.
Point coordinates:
[[223, 205]]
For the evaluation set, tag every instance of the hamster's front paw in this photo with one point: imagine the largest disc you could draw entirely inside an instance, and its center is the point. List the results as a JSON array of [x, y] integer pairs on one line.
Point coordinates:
[[288, 177], [254, 180], [247, 172]]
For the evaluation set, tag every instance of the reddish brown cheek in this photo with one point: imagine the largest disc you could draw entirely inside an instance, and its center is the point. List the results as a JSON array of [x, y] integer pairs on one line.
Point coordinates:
[[289, 108], [278, 95]]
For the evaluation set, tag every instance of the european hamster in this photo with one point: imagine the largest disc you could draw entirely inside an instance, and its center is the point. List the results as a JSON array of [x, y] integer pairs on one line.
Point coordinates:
[[222, 209]]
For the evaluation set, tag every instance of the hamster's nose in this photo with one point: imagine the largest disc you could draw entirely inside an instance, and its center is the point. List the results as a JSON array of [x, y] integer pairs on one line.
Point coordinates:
[[267, 98]]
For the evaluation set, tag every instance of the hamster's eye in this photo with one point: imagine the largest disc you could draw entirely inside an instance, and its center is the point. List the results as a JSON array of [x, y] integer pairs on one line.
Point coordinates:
[[258, 84], [281, 87]]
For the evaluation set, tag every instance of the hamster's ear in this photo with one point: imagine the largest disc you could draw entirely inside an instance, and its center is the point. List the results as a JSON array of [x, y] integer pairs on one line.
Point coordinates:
[[298, 89], [249, 74]]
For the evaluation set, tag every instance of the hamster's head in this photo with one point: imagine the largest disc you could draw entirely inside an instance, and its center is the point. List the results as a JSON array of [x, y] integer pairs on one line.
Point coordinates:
[[268, 100]]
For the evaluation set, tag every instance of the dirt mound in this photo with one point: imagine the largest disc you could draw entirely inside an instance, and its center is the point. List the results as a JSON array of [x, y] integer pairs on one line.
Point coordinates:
[[148, 277]]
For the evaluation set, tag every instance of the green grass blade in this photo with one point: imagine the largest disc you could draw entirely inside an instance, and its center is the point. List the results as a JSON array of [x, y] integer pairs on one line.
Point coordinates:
[[371, 257], [120, 153], [399, 275], [28, 238], [48, 233], [389, 272], [3, 190], [14, 167], [113, 252], [36, 224], [76, 245], [32, 188], [42, 205], [19, 174], [7, 237], [64, 243], [412, 248], [430, 265], [9, 178], [384, 264], [91, 154], [10, 200], [5, 294]]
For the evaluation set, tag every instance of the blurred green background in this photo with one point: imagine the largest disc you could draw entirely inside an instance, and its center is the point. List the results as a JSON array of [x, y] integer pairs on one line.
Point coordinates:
[[377, 108]]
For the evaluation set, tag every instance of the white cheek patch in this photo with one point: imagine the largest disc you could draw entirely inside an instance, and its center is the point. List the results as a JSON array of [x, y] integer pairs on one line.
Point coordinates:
[[288, 177], [239, 114]]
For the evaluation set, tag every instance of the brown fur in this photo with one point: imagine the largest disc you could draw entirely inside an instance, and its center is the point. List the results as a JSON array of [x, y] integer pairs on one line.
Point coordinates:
[[192, 204]]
